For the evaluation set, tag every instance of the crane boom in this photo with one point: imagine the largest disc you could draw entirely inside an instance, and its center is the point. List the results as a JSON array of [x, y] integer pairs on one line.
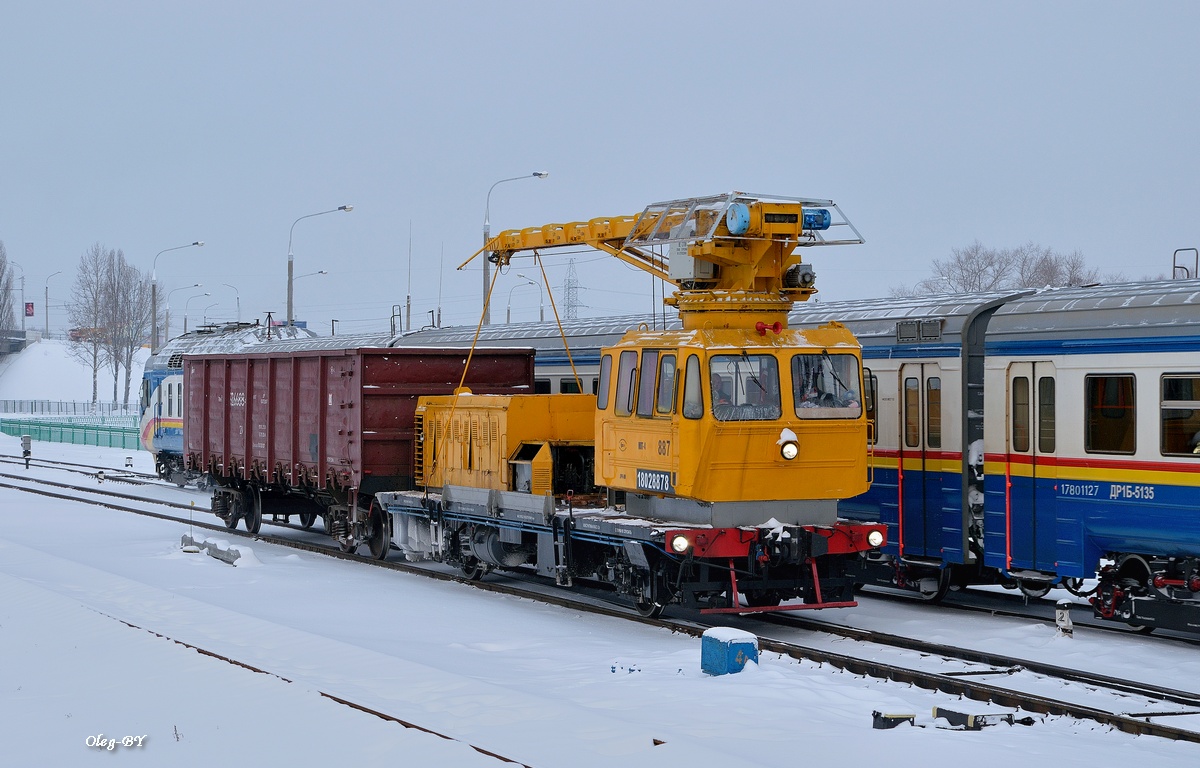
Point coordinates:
[[729, 254]]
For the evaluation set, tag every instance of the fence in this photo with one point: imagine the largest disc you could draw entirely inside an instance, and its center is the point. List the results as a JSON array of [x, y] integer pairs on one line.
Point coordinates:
[[56, 431], [64, 408], [121, 420]]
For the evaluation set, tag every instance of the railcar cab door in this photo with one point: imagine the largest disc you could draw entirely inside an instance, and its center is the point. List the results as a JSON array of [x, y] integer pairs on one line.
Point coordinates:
[[638, 449], [920, 466], [1031, 469]]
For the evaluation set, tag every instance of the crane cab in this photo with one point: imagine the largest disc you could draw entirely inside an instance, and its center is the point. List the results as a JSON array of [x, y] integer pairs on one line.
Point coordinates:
[[733, 426]]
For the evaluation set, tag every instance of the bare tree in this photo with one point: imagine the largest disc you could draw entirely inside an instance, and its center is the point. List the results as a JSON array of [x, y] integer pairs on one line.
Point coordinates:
[[128, 324], [1037, 267], [7, 321], [88, 313], [975, 268], [979, 268]]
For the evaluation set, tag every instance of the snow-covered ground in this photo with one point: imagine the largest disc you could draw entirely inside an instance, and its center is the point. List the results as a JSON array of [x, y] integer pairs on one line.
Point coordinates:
[[45, 370], [102, 613]]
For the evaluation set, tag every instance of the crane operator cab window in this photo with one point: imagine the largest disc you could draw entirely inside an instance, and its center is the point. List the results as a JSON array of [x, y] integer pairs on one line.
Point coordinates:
[[744, 387], [825, 386]]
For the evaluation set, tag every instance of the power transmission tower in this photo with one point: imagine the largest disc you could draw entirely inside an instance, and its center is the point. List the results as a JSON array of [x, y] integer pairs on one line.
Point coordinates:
[[571, 290]]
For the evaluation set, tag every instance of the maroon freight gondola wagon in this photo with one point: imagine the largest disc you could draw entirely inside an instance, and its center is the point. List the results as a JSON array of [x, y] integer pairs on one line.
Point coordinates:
[[290, 429]]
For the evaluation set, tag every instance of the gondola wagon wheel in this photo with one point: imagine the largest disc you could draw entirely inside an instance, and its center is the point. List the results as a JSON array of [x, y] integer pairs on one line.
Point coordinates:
[[379, 540], [253, 516]]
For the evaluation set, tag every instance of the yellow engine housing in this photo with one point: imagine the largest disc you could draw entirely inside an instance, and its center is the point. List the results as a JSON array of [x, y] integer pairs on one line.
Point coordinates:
[[494, 441]]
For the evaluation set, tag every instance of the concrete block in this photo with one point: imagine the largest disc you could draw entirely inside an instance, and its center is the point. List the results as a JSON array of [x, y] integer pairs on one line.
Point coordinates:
[[220, 549], [724, 650]]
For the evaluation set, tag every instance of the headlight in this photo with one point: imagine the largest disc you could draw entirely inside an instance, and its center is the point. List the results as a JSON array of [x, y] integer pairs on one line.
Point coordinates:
[[680, 544], [789, 450], [875, 539]]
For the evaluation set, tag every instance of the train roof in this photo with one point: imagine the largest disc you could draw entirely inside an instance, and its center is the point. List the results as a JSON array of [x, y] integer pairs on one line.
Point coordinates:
[[324, 343], [227, 338], [909, 320], [1121, 311], [587, 335]]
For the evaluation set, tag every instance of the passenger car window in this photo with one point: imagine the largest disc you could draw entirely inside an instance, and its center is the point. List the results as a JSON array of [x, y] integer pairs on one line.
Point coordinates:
[[1179, 419], [933, 412], [912, 411], [1111, 419], [1020, 414], [1045, 414]]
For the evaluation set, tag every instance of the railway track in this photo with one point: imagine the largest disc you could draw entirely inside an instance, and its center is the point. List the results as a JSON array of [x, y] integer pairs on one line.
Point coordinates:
[[1128, 705], [970, 600]]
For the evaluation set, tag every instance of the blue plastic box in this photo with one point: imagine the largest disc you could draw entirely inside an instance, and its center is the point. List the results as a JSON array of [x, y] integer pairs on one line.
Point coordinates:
[[724, 650]]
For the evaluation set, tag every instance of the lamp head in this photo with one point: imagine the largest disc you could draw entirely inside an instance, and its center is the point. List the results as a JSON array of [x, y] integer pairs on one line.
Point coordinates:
[[346, 208], [541, 174]]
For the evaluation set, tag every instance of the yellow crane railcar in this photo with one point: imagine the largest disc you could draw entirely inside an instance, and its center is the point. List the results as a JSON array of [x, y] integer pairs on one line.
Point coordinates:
[[721, 449]]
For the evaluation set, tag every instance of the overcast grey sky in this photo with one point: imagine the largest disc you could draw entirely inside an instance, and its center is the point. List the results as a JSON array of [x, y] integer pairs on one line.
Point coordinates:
[[143, 126]]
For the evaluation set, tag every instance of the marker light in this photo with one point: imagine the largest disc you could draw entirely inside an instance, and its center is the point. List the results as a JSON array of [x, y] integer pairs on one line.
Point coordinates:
[[789, 444], [875, 538], [680, 544]]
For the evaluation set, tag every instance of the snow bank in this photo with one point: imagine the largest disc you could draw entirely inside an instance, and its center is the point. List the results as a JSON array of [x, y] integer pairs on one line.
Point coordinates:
[[46, 371]]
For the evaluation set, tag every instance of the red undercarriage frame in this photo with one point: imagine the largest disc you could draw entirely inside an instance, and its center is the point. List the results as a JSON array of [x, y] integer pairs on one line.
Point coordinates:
[[731, 544]]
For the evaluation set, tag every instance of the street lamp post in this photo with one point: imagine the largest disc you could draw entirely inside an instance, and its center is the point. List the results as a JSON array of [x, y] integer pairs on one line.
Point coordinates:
[[167, 317], [18, 266], [527, 281], [239, 300], [487, 235], [292, 260], [46, 303], [541, 305], [154, 292], [298, 277], [204, 315], [185, 308]]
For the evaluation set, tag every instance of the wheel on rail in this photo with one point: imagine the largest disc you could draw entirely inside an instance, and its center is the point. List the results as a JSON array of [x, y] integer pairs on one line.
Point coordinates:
[[233, 505], [474, 569], [1075, 587], [1034, 589], [307, 519], [379, 536], [763, 598], [648, 609], [347, 547], [933, 589], [253, 516]]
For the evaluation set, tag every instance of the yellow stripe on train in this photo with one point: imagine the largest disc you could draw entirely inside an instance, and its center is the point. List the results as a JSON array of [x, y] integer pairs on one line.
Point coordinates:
[[1186, 475]]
